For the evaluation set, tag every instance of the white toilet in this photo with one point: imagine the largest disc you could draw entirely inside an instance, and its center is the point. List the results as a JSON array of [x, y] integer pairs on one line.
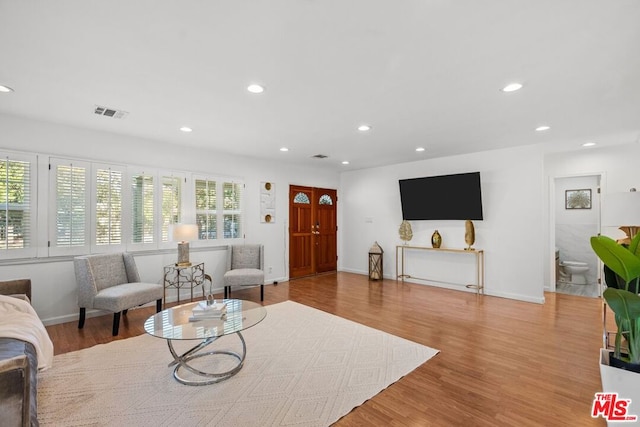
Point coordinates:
[[574, 271]]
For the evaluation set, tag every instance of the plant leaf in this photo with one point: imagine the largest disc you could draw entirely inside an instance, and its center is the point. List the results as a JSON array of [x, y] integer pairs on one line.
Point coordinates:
[[618, 258], [626, 306], [634, 246]]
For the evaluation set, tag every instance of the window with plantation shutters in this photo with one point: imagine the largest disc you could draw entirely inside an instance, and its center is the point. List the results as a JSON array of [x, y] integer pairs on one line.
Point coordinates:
[[91, 207], [107, 206], [142, 208], [70, 196], [232, 192], [206, 213], [17, 215], [218, 208], [171, 203]]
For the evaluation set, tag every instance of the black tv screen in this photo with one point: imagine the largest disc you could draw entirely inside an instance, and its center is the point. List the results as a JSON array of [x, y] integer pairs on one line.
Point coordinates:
[[442, 197]]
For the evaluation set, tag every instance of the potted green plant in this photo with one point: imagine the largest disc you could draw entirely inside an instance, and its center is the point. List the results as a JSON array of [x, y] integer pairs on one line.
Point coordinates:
[[622, 276]]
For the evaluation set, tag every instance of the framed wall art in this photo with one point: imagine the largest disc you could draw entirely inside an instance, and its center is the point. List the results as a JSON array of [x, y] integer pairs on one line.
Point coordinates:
[[577, 199]]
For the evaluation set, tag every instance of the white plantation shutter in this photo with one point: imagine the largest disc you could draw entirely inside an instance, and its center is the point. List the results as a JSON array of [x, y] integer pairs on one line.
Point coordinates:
[[70, 199], [108, 206], [171, 204], [17, 225], [232, 213], [218, 208], [142, 209], [206, 214]]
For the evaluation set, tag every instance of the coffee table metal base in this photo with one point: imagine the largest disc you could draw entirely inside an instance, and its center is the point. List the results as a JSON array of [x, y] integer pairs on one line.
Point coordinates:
[[182, 362]]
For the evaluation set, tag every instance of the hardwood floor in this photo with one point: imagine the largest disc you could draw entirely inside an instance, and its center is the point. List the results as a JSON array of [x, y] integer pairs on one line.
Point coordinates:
[[501, 362]]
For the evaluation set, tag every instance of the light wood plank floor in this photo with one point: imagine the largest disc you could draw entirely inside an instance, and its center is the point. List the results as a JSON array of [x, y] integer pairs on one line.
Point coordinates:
[[502, 362]]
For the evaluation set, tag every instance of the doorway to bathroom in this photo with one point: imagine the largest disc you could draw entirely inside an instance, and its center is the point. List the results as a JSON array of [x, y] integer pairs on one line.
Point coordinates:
[[577, 218]]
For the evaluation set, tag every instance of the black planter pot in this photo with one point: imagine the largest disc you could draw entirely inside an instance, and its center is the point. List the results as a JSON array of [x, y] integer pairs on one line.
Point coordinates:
[[617, 363]]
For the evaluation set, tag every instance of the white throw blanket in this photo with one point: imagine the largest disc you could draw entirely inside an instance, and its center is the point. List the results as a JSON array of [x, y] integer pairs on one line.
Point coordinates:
[[19, 320]]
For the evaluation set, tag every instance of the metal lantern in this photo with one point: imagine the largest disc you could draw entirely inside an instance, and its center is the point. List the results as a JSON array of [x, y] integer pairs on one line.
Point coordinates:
[[375, 262]]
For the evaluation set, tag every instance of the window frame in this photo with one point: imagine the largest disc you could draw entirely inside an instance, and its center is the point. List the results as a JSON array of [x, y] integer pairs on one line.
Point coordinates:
[[54, 249], [214, 212], [31, 250], [128, 218], [219, 211], [43, 205], [234, 212], [182, 214], [109, 247]]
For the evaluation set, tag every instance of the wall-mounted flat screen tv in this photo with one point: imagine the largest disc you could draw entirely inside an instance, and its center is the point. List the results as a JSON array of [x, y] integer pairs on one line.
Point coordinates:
[[442, 197]]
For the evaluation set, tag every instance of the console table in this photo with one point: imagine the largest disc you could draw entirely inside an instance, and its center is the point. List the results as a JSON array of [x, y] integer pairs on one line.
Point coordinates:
[[179, 277], [477, 253]]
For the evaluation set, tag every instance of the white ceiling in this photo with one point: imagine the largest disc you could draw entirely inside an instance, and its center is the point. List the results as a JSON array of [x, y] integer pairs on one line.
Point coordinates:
[[420, 72]]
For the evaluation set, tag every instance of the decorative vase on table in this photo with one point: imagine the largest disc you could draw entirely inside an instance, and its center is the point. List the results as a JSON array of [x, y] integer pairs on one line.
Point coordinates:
[[436, 239], [469, 235]]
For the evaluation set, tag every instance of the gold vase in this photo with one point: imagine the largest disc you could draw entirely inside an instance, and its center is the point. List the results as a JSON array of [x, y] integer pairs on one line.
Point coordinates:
[[469, 235], [436, 239]]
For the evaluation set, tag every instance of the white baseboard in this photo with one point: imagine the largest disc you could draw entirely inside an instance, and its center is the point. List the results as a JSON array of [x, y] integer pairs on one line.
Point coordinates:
[[455, 287], [185, 296]]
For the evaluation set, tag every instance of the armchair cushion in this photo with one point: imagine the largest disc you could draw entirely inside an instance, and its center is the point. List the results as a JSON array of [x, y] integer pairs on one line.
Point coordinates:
[[107, 271], [246, 256], [126, 295], [244, 276]]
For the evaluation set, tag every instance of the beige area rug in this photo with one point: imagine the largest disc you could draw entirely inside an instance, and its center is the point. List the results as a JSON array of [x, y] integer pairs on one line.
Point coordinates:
[[304, 367]]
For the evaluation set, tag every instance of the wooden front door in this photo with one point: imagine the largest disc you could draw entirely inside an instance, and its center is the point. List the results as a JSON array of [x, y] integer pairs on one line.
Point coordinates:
[[312, 231]]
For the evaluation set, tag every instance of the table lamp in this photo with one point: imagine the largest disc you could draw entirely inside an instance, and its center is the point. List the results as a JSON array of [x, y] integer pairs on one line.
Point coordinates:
[[184, 233], [622, 210]]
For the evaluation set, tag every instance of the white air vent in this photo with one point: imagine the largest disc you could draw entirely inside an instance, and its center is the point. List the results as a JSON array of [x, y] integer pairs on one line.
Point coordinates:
[[320, 156], [110, 112]]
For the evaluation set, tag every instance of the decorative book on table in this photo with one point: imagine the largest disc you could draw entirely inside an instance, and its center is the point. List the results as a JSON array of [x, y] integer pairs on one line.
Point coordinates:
[[205, 310]]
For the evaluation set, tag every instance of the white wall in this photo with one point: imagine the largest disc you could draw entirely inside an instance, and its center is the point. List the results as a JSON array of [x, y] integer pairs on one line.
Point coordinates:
[[618, 166], [511, 233], [516, 234], [54, 283]]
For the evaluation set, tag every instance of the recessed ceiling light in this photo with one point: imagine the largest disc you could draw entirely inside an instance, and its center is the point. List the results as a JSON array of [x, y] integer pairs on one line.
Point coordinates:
[[254, 88], [346, 162], [419, 149], [588, 144], [511, 87], [542, 128], [364, 128], [186, 129], [5, 89], [284, 149]]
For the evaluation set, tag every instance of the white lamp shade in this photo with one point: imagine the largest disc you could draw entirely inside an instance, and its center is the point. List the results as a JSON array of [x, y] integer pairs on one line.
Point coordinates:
[[621, 209], [184, 232]]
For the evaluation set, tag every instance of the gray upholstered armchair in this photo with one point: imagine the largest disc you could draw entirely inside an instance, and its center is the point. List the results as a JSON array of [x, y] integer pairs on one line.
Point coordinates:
[[245, 267], [111, 282]]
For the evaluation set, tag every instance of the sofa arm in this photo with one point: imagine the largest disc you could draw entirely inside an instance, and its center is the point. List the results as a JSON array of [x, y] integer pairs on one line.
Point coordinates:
[[19, 286], [18, 383]]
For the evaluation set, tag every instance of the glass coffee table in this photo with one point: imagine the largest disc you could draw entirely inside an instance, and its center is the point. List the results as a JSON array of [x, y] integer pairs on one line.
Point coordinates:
[[174, 324]]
